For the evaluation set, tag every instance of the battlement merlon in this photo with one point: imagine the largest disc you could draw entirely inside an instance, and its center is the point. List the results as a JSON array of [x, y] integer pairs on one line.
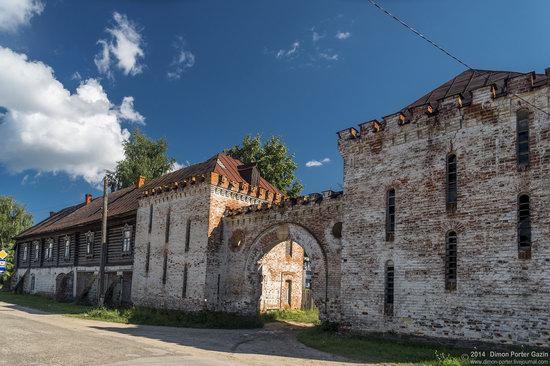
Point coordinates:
[[289, 204], [395, 123], [218, 180]]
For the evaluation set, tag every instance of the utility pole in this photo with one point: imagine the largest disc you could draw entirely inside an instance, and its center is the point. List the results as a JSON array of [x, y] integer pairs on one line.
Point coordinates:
[[103, 252]]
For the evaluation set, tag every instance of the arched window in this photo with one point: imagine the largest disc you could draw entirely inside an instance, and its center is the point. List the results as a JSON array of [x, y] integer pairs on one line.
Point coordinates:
[[522, 128], [389, 289], [451, 183], [390, 215], [524, 227], [450, 261]]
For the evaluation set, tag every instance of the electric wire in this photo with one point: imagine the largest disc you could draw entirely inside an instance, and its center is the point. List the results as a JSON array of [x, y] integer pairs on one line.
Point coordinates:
[[449, 54]]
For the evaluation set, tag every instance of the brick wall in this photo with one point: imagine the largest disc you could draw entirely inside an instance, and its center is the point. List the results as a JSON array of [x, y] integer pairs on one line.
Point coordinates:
[[499, 297], [278, 267]]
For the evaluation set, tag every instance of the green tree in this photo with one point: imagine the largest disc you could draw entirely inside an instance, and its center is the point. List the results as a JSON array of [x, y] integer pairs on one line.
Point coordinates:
[[13, 220], [276, 164], [143, 156]]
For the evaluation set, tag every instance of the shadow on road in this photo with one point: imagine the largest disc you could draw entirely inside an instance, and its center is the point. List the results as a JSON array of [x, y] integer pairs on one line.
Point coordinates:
[[276, 339]]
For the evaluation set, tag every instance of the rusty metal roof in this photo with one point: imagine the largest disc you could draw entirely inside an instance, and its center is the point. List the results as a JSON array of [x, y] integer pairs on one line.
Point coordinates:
[[124, 202], [468, 81]]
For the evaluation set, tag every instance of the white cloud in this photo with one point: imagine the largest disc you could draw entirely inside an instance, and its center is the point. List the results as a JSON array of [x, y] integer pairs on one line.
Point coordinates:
[[343, 35], [317, 163], [328, 56], [124, 48], [76, 76], [127, 111], [178, 166], [290, 52], [317, 37], [46, 128], [183, 60], [16, 13]]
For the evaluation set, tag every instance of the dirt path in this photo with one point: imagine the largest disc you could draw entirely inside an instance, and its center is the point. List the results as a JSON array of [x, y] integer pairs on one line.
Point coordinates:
[[37, 338]]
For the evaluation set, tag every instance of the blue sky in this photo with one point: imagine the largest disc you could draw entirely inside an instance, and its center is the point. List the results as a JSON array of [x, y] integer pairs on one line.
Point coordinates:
[[205, 73]]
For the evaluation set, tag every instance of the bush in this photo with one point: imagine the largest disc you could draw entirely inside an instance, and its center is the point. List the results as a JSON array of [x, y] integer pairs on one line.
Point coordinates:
[[300, 316]]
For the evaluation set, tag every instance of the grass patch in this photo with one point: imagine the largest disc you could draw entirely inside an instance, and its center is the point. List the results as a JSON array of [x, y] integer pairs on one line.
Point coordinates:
[[376, 350], [301, 316], [43, 303], [136, 315]]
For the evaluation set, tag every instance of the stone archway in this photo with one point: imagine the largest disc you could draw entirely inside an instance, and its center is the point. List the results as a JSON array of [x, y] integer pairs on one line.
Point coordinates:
[[266, 241]]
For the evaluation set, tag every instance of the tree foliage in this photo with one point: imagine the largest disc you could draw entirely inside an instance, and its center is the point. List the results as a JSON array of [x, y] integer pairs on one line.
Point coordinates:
[[13, 220], [276, 164], [143, 156]]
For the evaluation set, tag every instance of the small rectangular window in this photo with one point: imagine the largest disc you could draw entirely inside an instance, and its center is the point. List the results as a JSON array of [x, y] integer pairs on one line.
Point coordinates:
[[25, 252], [126, 239], [36, 251], [67, 247], [89, 243], [49, 249]]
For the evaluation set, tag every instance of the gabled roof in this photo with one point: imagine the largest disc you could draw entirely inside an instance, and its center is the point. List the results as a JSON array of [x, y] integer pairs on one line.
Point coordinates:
[[466, 82], [124, 202]]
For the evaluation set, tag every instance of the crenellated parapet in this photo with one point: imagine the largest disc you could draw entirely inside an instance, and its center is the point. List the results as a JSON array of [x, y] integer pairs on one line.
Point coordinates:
[[443, 111], [289, 204], [217, 180]]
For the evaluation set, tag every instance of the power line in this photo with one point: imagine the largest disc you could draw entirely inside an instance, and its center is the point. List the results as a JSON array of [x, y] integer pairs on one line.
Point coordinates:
[[420, 35], [394, 17]]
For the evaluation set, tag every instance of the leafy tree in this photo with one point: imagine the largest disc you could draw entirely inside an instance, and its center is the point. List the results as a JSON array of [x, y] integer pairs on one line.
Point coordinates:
[[276, 164], [143, 156], [13, 220]]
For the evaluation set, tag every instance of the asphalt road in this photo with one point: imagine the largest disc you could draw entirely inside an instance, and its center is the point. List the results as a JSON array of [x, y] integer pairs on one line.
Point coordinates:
[[30, 337]]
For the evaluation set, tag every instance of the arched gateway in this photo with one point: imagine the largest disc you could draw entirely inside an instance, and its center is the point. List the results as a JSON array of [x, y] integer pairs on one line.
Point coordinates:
[[249, 234]]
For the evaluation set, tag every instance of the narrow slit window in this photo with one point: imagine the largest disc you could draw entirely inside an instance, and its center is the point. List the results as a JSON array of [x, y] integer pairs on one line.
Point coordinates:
[[288, 248], [389, 289], [187, 235], [451, 261], [164, 267], [288, 292], [524, 226], [147, 257], [25, 252], [184, 286], [452, 182], [522, 127], [167, 233], [150, 218], [390, 215]]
